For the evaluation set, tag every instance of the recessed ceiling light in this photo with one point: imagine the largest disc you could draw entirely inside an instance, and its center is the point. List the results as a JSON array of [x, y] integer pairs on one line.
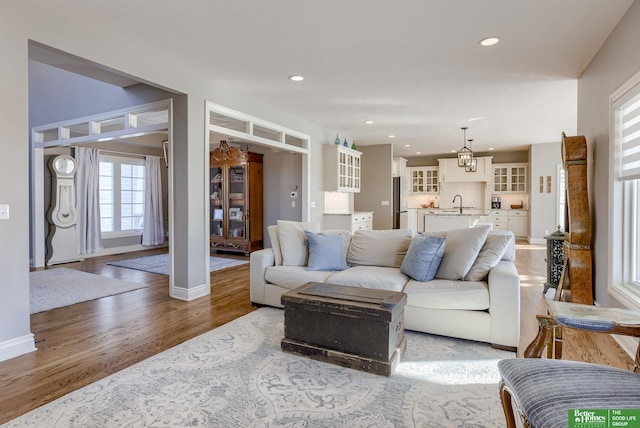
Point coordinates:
[[454, 151], [418, 153], [407, 145], [490, 148], [489, 41], [368, 122], [296, 78], [392, 136]]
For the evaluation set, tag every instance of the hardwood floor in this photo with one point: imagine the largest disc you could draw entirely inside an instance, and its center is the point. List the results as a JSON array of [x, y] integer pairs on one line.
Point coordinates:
[[577, 345], [82, 343]]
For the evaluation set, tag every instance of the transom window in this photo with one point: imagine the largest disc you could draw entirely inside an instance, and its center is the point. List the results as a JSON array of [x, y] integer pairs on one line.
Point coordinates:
[[122, 183]]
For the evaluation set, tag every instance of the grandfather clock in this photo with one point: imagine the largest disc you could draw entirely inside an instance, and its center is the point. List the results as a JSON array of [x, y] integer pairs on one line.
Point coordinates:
[[577, 235], [62, 242]]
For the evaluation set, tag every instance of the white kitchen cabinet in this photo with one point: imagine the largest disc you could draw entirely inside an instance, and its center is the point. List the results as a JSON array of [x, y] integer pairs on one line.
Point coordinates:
[[513, 220], [510, 178], [424, 179], [412, 219], [451, 172], [518, 222], [341, 169], [351, 222], [499, 219]]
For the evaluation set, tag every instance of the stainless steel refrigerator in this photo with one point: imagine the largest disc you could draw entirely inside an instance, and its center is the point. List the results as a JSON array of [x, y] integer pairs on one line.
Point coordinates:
[[400, 214]]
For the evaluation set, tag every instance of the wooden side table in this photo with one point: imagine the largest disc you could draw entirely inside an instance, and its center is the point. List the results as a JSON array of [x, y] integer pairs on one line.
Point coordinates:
[[581, 317]]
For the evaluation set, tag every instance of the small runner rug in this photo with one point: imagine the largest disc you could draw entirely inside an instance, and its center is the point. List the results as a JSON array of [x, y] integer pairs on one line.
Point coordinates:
[[55, 288], [237, 376], [160, 263]]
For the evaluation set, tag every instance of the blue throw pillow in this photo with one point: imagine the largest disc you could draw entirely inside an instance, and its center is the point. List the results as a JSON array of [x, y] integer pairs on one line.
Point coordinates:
[[326, 252], [423, 257]]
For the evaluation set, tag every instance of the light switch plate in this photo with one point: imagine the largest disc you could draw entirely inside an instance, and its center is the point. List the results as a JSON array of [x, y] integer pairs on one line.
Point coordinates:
[[385, 203], [4, 211]]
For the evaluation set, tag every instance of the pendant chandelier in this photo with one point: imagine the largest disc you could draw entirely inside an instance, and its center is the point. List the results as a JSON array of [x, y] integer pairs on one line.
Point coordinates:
[[465, 155], [473, 166]]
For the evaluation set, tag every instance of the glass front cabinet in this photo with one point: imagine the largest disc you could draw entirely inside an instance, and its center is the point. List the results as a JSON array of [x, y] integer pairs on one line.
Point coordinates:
[[342, 169], [510, 178], [235, 192]]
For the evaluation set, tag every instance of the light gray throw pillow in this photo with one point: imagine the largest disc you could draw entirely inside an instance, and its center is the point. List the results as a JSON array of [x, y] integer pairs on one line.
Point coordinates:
[[293, 241], [386, 248], [489, 256], [461, 249]]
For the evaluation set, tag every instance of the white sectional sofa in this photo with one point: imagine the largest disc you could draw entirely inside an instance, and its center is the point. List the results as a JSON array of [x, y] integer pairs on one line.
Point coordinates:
[[482, 303]]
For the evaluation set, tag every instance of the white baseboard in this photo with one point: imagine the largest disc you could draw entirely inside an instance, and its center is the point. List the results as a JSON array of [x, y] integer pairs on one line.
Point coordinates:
[[123, 249], [191, 293], [18, 346], [538, 241]]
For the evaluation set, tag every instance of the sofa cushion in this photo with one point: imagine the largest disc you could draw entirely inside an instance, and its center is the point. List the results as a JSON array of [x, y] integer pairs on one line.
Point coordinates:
[[461, 249], [292, 241], [326, 252], [291, 277], [275, 244], [448, 294], [510, 252], [423, 257], [489, 256], [380, 278], [385, 248]]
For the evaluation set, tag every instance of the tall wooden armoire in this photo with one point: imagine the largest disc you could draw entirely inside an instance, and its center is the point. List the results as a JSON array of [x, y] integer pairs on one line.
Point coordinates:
[[235, 191], [577, 236]]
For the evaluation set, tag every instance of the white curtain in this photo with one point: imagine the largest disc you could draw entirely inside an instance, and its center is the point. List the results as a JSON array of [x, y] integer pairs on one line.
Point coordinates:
[[153, 231], [88, 200]]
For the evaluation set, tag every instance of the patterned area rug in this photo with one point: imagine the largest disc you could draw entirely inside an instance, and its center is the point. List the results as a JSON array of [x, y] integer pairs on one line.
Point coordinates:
[[160, 263], [237, 376], [55, 288]]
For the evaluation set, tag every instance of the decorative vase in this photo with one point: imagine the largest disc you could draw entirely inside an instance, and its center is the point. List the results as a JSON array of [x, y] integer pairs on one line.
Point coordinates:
[[353, 145], [337, 139], [345, 143]]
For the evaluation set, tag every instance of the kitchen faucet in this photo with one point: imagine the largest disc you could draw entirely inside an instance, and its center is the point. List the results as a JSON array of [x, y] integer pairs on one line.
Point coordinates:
[[454, 201]]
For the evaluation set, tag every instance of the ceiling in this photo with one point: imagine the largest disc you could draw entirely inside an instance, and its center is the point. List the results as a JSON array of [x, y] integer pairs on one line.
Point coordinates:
[[413, 67]]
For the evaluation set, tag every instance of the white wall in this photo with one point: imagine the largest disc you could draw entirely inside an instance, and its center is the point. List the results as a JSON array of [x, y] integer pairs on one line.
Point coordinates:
[[614, 64], [20, 22], [543, 206]]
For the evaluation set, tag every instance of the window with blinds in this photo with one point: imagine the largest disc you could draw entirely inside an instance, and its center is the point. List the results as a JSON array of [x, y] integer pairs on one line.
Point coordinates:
[[624, 213], [628, 115]]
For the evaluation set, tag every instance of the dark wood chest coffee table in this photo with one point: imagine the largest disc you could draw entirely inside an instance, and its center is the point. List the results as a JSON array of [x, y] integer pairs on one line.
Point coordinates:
[[354, 327]]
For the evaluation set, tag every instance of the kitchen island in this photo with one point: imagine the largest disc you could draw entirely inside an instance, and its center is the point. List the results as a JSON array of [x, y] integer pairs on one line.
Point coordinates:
[[437, 220]]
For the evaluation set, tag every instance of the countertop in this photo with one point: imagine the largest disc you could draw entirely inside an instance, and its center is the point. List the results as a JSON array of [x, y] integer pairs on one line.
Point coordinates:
[[466, 211], [353, 213]]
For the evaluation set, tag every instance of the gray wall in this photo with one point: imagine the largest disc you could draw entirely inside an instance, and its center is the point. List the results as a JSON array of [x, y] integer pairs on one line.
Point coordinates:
[[616, 62], [56, 95], [498, 157], [376, 185]]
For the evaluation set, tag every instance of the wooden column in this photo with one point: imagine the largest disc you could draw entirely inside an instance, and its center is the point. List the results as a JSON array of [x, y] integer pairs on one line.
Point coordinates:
[[577, 235]]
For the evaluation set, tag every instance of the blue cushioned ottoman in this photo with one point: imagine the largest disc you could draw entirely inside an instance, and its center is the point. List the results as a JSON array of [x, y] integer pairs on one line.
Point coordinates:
[[544, 390]]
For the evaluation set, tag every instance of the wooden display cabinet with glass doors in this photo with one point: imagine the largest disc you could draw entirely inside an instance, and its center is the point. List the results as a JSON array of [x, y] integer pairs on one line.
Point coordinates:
[[235, 191]]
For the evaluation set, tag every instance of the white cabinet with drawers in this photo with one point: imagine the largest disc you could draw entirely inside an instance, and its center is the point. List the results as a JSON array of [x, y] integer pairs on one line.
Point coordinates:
[[352, 222], [513, 220]]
